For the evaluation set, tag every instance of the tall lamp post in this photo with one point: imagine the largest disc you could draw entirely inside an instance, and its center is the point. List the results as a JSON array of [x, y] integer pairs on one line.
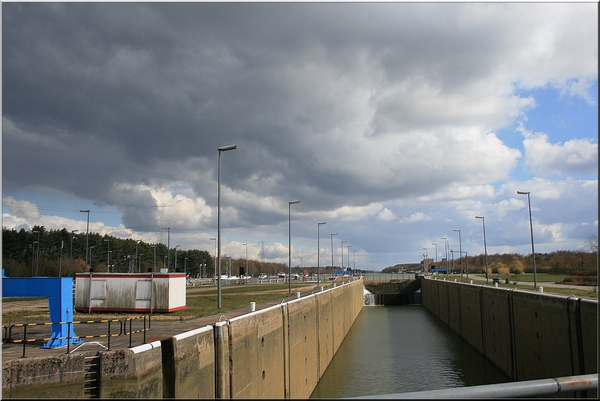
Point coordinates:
[[176, 256], [290, 203], [221, 149], [154, 266], [107, 255], [435, 245], [246, 271], [87, 235], [136, 265], [168, 248], [426, 261], [37, 254], [484, 248], [460, 250], [342, 250], [215, 258], [332, 269], [319, 252], [446, 250], [531, 230], [71, 251], [91, 247]]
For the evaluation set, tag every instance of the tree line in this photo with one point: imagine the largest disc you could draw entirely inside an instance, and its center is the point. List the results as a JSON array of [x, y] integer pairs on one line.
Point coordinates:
[[54, 253]]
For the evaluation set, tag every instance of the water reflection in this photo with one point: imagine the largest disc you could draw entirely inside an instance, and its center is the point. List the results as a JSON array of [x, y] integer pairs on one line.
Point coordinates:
[[402, 349]]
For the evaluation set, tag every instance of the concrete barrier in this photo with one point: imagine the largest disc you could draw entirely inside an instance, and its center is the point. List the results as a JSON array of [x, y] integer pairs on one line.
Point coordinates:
[[132, 373], [189, 364], [527, 335], [44, 377], [256, 341]]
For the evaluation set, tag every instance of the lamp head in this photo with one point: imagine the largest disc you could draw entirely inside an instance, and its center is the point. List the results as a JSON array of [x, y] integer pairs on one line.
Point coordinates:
[[523, 193], [479, 217], [226, 148], [294, 201]]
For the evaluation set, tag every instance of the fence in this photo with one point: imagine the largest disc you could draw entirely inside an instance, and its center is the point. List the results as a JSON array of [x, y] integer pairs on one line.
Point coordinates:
[[9, 335]]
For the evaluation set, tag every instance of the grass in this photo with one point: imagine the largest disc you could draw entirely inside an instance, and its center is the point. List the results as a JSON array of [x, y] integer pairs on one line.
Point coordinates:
[[580, 291]]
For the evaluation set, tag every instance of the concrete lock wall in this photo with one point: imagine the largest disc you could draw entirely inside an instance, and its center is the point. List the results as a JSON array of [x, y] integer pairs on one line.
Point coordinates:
[[278, 352], [527, 335], [189, 364], [44, 377], [132, 373]]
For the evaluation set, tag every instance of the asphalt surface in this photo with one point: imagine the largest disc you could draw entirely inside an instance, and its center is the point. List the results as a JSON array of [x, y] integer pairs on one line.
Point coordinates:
[[155, 330]]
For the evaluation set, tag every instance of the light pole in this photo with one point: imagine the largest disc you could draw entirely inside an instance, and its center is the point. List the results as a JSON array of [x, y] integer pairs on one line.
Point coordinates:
[[71, 251], [91, 247], [154, 266], [332, 269], [531, 229], [176, 257], [87, 235], [425, 261], [342, 250], [140, 269], [319, 252], [484, 248], [435, 245], [107, 255], [246, 259], [168, 248], [185, 266], [348, 258], [135, 266], [290, 203], [446, 250], [215, 258], [37, 253], [460, 250], [221, 149], [353, 261]]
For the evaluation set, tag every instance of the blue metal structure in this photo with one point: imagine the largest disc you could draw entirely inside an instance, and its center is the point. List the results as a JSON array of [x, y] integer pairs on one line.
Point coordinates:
[[59, 291]]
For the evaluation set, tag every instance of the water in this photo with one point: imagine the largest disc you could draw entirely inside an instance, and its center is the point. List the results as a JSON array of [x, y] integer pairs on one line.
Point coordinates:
[[400, 349]]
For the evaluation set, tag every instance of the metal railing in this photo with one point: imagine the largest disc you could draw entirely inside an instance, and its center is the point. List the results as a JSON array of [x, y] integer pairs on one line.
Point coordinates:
[[528, 388], [10, 337]]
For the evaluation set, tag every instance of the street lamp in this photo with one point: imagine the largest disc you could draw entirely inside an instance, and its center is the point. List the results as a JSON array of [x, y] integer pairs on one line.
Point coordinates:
[[446, 250], [484, 248], [246, 259], [332, 251], [71, 251], [221, 149], [136, 266], [319, 252], [168, 247], [348, 265], [460, 254], [37, 254], [435, 253], [107, 255], [154, 267], [215, 258], [342, 249], [425, 261], [531, 229], [185, 266], [91, 247], [176, 257], [87, 235], [290, 203]]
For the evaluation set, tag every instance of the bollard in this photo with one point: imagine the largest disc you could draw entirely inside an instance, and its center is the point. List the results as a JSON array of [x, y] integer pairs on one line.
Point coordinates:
[[297, 295], [471, 281], [496, 285], [252, 306], [321, 288], [541, 290], [334, 285], [455, 280]]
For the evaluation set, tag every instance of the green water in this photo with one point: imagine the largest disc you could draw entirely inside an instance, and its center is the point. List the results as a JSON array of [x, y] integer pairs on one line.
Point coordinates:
[[397, 349]]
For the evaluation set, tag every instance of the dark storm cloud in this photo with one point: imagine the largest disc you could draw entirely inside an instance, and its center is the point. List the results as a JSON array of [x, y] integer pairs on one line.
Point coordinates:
[[332, 103]]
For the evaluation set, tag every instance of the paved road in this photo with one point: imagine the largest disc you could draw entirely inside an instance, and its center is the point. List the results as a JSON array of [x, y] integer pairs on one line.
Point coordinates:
[[158, 330]]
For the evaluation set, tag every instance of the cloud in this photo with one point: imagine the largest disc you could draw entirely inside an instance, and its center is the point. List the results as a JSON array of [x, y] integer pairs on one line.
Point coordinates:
[[572, 158]]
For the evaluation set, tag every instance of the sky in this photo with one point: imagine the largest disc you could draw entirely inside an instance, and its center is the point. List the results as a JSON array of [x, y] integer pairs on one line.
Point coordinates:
[[394, 123]]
